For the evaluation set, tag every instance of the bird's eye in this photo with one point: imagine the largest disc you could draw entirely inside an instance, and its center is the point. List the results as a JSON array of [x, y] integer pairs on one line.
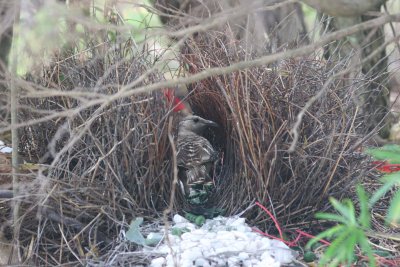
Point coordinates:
[[196, 119]]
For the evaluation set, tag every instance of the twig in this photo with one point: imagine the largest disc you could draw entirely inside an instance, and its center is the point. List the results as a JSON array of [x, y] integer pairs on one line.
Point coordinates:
[[14, 130], [172, 196], [127, 91], [340, 157], [6, 194], [325, 87]]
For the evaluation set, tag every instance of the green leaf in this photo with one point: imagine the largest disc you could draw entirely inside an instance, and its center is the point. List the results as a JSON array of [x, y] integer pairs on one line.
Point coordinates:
[[382, 253], [346, 209], [331, 217], [337, 248], [365, 216], [327, 233], [350, 245], [366, 248], [388, 182], [133, 234], [393, 215], [352, 211], [391, 153], [112, 36]]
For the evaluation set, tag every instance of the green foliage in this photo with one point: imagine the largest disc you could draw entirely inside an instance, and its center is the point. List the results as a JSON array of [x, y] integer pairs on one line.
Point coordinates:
[[348, 233], [46, 33], [393, 215], [351, 229], [391, 153], [310, 16]]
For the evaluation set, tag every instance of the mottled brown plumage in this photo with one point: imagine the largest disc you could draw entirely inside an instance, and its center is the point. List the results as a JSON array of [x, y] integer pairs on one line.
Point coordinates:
[[195, 154]]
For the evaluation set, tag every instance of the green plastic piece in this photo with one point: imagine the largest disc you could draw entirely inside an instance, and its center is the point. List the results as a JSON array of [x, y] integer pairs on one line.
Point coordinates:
[[198, 220], [133, 234], [153, 239], [179, 231], [309, 256]]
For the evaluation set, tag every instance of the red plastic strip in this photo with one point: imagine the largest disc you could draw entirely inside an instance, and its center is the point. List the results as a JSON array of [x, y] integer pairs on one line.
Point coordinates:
[[178, 104]]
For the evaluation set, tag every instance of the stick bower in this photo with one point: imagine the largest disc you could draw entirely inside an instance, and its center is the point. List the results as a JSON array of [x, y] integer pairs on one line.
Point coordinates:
[[102, 165]]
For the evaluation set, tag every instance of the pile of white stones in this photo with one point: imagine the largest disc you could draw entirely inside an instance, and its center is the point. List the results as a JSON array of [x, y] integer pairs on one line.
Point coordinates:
[[220, 242], [4, 149]]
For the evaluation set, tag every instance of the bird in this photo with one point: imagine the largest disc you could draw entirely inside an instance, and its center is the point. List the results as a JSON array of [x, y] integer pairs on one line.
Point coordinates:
[[195, 154]]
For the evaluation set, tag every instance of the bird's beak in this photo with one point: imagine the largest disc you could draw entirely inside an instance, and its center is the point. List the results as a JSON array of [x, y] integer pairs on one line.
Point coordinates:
[[211, 123]]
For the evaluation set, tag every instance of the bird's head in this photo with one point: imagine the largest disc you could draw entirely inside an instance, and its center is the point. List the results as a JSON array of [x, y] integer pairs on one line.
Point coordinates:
[[194, 124]]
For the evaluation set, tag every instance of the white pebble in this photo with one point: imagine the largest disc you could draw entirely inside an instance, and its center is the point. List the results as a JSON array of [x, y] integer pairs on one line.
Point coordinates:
[[205, 242], [268, 263], [243, 228], [219, 242], [253, 235], [210, 235], [187, 225], [240, 235], [185, 263], [170, 260], [243, 256], [163, 249], [267, 256], [264, 243], [158, 262], [252, 247], [179, 219], [152, 235], [5, 149], [188, 244], [282, 255], [192, 254], [197, 235], [216, 244], [226, 236], [221, 250], [199, 232], [233, 261], [278, 244], [201, 262], [237, 246], [247, 263], [238, 222], [186, 236]]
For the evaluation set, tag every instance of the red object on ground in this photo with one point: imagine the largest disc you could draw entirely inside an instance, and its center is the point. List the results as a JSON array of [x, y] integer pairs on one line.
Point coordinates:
[[178, 103], [273, 219], [293, 243], [385, 167]]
